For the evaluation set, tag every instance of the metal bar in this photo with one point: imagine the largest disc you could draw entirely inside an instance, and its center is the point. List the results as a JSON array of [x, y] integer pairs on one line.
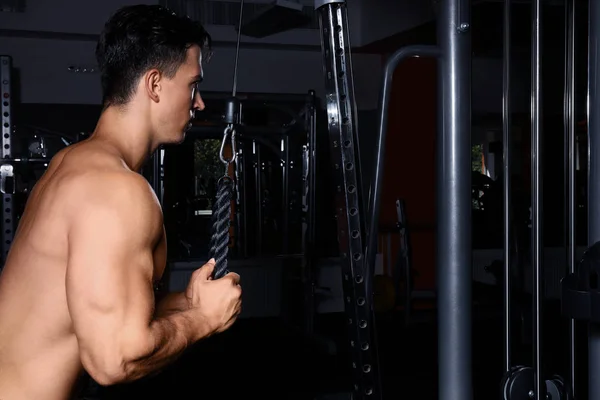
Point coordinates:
[[240, 200], [356, 274], [570, 121], [506, 125], [258, 167], [313, 172], [158, 173], [453, 256], [374, 204], [285, 202], [404, 260], [593, 179], [536, 197], [7, 178], [309, 202]]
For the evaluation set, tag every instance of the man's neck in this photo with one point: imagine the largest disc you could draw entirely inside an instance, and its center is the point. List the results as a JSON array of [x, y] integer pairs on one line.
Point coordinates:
[[129, 134]]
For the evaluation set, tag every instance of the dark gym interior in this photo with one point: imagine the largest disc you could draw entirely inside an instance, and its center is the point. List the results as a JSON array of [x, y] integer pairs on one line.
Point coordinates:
[[295, 223]]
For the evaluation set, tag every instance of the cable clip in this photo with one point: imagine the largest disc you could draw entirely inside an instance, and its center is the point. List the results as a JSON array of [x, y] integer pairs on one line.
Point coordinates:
[[229, 133]]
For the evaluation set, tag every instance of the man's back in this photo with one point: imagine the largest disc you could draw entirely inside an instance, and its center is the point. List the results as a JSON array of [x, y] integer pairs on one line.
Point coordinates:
[[39, 354]]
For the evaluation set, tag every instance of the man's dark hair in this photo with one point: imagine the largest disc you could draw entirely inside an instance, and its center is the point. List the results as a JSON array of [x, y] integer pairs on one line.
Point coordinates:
[[141, 37]]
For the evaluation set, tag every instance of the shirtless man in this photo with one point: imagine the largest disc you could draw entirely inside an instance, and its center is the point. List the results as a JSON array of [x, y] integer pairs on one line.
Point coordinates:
[[77, 288]]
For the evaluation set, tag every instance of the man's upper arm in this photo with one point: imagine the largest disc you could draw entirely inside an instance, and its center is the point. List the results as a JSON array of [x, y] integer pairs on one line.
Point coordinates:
[[110, 267]]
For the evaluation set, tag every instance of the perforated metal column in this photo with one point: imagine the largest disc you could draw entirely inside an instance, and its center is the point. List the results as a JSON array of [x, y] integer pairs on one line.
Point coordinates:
[[7, 186], [357, 277]]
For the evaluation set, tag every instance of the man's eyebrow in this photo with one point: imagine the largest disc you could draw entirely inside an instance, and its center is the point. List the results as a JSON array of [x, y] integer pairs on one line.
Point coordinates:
[[198, 78]]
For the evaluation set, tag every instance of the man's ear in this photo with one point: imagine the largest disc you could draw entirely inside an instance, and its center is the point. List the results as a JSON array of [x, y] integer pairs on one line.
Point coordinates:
[[153, 84]]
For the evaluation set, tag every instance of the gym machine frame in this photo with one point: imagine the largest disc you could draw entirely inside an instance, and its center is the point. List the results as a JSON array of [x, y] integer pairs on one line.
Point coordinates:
[[7, 184], [580, 292], [358, 237]]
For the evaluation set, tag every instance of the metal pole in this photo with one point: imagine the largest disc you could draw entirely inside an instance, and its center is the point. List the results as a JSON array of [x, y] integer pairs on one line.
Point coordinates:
[[570, 167], [536, 197], [357, 274], [593, 180], [258, 168], [454, 203], [374, 204], [285, 203], [507, 183], [7, 172]]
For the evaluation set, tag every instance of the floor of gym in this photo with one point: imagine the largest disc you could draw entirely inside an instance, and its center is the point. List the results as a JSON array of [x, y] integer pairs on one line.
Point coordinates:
[[267, 359]]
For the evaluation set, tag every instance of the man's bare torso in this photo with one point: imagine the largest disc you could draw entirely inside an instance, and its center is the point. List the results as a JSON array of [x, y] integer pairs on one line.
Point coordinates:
[[39, 355]]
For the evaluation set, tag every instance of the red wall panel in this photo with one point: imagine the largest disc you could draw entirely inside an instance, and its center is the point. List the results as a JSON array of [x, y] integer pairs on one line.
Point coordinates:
[[410, 162]]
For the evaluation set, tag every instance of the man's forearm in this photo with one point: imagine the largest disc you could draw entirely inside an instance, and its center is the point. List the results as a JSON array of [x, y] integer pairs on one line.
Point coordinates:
[[167, 339], [173, 302]]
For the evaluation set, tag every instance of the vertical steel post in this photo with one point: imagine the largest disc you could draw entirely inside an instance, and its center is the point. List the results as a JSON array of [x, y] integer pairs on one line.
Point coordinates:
[[258, 168], [240, 201], [7, 178], [536, 197], [454, 269], [506, 160], [158, 173], [309, 212], [594, 178], [285, 188], [569, 172], [357, 274]]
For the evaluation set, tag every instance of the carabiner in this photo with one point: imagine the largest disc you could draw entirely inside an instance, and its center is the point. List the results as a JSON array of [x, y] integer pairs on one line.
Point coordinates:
[[229, 130]]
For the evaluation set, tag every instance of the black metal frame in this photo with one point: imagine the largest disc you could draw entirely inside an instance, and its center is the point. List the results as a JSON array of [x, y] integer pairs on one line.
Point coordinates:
[[345, 157], [7, 181], [357, 245]]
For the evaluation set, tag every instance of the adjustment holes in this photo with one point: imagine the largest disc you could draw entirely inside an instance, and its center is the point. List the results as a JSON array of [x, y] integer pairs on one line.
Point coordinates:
[[353, 211], [351, 189], [349, 166], [357, 256], [364, 346], [360, 301], [355, 234], [366, 368], [362, 324], [359, 279], [347, 143], [368, 391]]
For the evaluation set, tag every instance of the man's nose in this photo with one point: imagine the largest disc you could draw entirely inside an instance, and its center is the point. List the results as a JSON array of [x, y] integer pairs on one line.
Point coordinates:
[[198, 103]]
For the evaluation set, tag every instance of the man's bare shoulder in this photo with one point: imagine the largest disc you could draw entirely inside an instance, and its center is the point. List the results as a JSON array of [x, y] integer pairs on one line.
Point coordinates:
[[96, 180]]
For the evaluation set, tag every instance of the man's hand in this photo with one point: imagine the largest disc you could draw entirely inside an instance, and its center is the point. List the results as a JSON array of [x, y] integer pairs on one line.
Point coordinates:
[[217, 302]]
